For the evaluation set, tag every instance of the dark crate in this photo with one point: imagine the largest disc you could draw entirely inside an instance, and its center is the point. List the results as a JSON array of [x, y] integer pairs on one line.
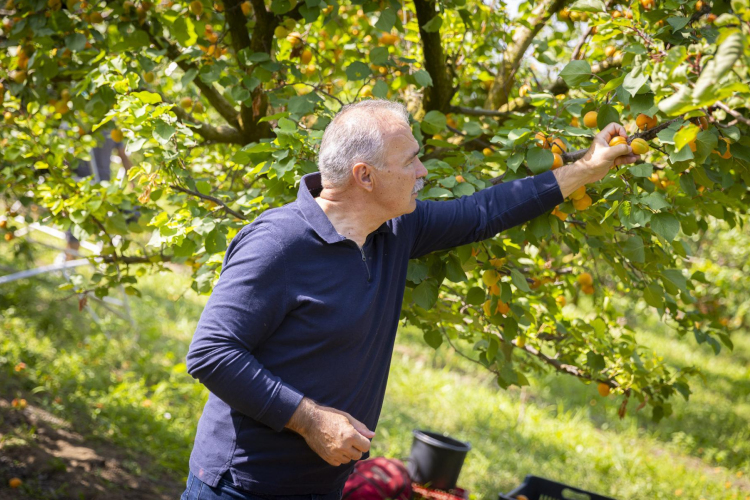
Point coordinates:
[[538, 488]]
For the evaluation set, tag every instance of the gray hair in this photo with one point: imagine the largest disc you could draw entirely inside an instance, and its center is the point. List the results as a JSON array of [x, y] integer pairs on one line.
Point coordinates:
[[356, 135]]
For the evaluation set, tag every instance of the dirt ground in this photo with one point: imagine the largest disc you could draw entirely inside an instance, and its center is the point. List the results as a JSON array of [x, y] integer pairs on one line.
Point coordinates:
[[55, 462]]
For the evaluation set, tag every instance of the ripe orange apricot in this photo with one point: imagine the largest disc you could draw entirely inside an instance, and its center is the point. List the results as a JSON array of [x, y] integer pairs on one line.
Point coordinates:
[[560, 299], [460, 179], [560, 215], [589, 120], [639, 146], [15, 483], [542, 140], [574, 122], [647, 4], [502, 307], [645, 122], [616, 140], [558, 146], [557, 162], [585, 279], [578, 193], [525, 89], [603, 389], [583, 203], [609, 50]]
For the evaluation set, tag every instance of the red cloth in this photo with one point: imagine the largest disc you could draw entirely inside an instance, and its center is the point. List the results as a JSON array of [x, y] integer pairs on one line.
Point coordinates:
[[377, 479]]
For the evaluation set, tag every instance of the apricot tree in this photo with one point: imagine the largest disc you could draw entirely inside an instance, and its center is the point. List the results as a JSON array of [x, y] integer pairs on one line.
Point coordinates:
[[222, 107]]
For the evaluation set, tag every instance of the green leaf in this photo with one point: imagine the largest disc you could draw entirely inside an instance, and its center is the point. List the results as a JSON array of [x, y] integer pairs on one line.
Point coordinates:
[[416, 271], [380, 89], [665, 225], [519, 280], [678, 103], [163, 132], [633, 249], [607, 114], [641, 170], [147, 97], [454, 271], [203, 187], [635, 80], [463, 189], [677, 23], [386, 21], [433, 338], [539, 160], [588, 6], [433, 24], [357, 71], [515, 161], [685, 136], [279, 7], [576, 72], [655, 201], [75, 42], [425, 295], [674, 280], [654, 296], [423, 78], [216, 241], [183, 30], [595, 361], [475, 296], [433, 122], [379, 55]]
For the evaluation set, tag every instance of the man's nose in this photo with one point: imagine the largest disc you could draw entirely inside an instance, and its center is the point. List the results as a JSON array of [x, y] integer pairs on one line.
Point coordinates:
[[421, 170]]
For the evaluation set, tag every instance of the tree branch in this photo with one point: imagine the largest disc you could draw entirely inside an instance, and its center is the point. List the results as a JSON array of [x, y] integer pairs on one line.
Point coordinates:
[[524, 35], [438, 96], [222, 134], [209, 198], [222, 106]]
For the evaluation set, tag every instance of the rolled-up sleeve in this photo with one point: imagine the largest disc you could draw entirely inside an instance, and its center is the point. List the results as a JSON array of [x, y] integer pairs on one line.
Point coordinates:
[[439, 225], [247, 305]]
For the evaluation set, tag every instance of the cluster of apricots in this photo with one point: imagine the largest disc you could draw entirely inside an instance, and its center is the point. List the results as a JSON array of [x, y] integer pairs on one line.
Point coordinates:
[[587, 283], [554, 144], [491, 278]]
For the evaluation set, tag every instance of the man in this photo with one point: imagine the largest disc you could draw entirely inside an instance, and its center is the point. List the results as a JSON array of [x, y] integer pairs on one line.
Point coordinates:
[[296, 340], [98, 168]]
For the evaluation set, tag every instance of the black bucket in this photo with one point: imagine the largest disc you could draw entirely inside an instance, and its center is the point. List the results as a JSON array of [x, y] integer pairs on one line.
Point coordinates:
[[436, 460]]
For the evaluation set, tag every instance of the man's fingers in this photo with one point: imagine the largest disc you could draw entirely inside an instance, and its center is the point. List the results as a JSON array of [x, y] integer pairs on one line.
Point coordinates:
[[612, 130], [627, 159], [361, 428], [361, 443], [618, 151]]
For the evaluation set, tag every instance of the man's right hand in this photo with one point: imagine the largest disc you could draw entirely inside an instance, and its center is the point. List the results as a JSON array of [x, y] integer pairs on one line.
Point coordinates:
[[335, 435]]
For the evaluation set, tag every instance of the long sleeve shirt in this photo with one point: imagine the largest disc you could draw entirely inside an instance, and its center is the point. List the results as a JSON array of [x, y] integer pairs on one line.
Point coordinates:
[[300, 310]]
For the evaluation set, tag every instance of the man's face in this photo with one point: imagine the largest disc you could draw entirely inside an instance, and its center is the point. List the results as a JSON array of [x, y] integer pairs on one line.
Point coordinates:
[[402, 173]]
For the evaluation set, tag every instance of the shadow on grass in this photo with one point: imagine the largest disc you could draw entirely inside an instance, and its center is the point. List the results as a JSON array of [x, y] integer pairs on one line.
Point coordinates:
[[105, 386]]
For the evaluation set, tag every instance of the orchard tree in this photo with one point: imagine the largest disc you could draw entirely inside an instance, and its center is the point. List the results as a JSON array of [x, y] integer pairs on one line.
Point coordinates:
[[222, 106]]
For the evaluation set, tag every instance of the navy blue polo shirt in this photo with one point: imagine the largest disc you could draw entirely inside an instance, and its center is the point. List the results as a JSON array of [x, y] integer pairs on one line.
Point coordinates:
[[300, 310]]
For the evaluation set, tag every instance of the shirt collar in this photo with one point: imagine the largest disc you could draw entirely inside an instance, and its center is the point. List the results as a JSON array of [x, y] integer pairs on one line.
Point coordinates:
[[309, 188]]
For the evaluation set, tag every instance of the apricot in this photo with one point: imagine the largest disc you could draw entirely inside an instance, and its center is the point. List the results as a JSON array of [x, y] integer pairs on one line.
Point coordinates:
[[603, 389], [542, 140], [558, 146], [583, 203], [617, 140], [639, 146], [557, 162], [589, 120], [578, 193], [645, 122]]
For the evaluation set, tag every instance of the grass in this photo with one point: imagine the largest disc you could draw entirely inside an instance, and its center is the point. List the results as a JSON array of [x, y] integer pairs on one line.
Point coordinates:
[[131, 390]]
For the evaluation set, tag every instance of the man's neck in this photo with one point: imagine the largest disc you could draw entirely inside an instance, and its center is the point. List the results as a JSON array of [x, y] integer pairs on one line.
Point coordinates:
[[352, 219]]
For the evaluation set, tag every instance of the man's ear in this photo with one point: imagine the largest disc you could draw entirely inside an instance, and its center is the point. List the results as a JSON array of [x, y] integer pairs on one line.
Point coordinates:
[[362, 173]]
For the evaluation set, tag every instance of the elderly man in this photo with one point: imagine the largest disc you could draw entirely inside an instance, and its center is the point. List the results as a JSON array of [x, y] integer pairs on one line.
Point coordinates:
[[296, 340]]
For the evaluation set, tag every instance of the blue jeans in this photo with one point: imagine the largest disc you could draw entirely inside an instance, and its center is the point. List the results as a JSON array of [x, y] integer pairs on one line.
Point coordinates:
[[225, 490]]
